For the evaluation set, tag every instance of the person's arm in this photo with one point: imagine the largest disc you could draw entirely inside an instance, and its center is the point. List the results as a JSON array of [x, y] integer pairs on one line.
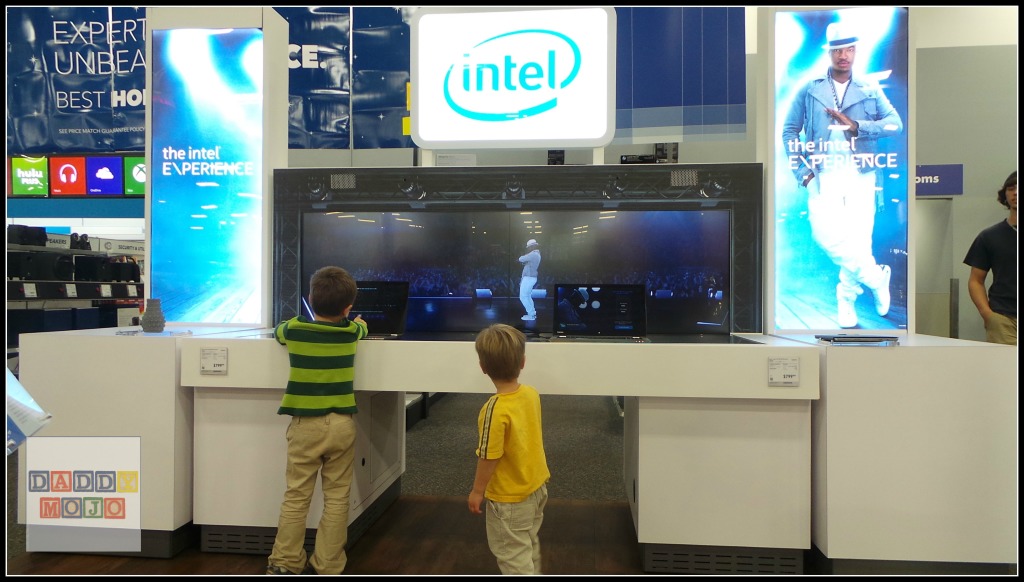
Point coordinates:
[[976, 289], [484, 471], [791, 128], [886, 121], [279, 332]]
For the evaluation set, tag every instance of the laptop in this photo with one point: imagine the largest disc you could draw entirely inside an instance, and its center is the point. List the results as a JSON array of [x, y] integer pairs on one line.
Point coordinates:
[[383, 305], [600, 312]]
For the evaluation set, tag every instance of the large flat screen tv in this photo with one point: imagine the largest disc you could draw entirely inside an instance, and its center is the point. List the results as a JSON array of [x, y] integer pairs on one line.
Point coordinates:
[[464, 271]]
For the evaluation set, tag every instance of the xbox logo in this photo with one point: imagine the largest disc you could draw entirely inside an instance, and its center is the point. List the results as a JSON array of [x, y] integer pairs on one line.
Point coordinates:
[[139, 172]]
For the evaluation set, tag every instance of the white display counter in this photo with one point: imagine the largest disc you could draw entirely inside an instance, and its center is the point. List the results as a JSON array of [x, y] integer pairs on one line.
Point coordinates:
[[716, 453], [724, 457], [915, 454], [104, 382]]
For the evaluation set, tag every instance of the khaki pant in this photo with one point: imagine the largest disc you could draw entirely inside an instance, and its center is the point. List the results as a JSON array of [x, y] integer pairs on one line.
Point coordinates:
[[512, 530], [324, 444], [1000, 329]]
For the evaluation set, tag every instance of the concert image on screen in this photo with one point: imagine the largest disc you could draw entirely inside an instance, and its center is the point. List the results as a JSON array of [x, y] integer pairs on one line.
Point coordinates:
[[465, 268]]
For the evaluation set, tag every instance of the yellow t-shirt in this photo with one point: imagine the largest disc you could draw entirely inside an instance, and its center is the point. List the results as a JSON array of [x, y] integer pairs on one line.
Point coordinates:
[[510, 430]]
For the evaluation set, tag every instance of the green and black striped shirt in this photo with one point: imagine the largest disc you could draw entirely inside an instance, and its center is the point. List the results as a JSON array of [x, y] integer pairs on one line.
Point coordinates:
[[322, 357]]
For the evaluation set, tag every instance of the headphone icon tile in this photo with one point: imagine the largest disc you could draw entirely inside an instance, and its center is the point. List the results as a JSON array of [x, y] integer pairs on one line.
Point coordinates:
[[67, 173]]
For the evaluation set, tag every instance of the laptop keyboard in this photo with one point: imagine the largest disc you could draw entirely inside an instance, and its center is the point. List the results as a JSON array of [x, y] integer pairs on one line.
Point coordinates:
[[603, 340]]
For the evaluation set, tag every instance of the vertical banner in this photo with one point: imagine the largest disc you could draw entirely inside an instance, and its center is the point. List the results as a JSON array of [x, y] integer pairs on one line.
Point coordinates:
[[207, 176], [841, 169]]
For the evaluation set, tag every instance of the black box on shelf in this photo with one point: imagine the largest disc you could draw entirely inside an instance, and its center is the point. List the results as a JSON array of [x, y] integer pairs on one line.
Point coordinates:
[[93, 268], [86, 317], [39, 266], [107, 316], [18, 265], [21, 321], [58, 319], [19, 234], [638, 159]]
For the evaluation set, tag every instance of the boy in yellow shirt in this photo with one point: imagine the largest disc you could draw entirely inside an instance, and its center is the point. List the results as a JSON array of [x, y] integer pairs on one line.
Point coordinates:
[[512, 470]]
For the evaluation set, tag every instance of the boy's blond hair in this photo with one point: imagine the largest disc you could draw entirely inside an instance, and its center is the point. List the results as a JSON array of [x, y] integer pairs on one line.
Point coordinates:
[[502, 351]]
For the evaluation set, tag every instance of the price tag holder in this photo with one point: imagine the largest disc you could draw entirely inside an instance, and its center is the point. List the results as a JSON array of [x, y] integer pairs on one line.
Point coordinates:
[[70, 290], [105, 291], [132, 291], [30, 290], [213, 361], [784, 372]]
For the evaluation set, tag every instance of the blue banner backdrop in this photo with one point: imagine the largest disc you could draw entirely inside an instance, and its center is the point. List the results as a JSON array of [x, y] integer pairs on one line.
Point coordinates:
[[76, 79], [76, 76]]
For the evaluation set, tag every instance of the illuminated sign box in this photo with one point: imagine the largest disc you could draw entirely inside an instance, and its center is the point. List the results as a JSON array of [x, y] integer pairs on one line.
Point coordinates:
[[134, 176], [68, 176], [104, 176], [29, 177], [513, 78]]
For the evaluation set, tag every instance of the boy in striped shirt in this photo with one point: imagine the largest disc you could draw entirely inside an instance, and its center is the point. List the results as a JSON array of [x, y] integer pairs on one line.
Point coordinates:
[[512, 470], [321, 400]]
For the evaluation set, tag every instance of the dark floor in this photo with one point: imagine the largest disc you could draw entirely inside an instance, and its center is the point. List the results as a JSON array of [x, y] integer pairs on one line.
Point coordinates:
[[588, 528]]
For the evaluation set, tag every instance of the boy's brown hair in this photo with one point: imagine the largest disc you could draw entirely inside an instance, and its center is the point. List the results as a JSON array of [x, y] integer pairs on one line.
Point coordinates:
[[331, 290], [502, 351]]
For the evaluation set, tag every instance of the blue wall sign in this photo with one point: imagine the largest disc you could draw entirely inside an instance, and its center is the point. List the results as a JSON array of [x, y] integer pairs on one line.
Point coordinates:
[[940, 180]]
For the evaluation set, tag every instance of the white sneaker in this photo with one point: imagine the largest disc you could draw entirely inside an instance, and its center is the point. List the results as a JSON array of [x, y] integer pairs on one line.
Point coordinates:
[[846, 298], [529, 317], [882, 296]]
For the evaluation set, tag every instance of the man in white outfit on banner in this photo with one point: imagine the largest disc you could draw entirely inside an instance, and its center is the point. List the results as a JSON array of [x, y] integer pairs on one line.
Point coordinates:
[[842, 117]]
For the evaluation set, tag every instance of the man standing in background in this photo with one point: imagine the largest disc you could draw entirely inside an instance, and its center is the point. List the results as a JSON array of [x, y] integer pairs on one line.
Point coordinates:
[[995, 249]]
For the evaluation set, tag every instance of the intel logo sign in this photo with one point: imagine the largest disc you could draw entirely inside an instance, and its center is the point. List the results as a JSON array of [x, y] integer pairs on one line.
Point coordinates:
[[499, 66], [511, 78]]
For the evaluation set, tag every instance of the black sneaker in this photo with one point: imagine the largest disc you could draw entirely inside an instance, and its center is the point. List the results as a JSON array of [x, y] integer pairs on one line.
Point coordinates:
[[309, 570]]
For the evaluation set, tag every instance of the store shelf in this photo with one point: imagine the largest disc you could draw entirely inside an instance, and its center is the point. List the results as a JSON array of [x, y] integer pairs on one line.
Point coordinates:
[[83, 290], [59, 251]]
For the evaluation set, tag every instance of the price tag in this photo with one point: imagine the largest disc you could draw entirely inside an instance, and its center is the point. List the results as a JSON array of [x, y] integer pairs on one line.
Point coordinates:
[[132, 291], [784, 372], [213, 361], [29, 290], [105, 291], [71, 290]]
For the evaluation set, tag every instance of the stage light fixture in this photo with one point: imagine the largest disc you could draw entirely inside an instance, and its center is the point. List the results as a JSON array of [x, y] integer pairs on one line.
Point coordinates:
[[715, 186], [514, 189], [412, 190]]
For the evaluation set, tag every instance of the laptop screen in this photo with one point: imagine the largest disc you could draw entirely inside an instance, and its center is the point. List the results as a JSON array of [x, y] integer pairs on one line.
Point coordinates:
[[383, 305], [596, 310]]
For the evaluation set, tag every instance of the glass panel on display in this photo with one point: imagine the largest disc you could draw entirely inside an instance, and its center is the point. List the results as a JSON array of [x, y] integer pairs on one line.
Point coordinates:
[[465, 268]]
